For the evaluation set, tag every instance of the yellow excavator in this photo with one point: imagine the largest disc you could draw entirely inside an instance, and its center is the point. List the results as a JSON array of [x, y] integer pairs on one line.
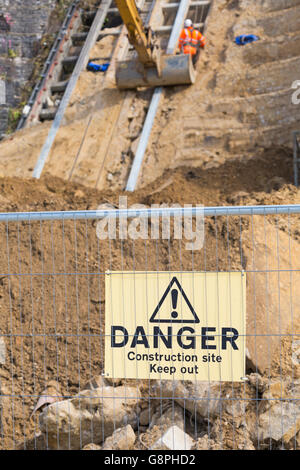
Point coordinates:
[[153, 67]]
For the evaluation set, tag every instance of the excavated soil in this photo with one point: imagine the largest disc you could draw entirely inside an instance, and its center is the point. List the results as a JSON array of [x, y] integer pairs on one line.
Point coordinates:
[[52, 290], [240, 106]]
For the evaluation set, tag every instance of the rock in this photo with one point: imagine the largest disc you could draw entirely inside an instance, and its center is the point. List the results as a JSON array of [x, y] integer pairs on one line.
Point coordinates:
[[296, 353], [236, 408], [121, 439], [100, 381], [297, 443], [173, 415], [280, 423], [2, 351], [91, 446], [205, 443], [174, 439], [275, 184], [258, 382], [231, 435], [276, 388], [113, 382], [79, 194], [145, 416], [201, 399], [210, 165], [37, 442], [89, 417], [96, 382]]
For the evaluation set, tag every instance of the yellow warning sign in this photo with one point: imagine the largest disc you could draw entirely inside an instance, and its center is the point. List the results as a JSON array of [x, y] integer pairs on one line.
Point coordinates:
[[183, 326]]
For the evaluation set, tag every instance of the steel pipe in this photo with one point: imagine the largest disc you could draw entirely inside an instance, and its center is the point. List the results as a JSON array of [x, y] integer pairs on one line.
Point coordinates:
[[152, 212]]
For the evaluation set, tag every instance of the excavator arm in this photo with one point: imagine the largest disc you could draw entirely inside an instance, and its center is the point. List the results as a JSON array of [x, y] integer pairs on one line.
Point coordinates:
[[140, 37], [153, 68]]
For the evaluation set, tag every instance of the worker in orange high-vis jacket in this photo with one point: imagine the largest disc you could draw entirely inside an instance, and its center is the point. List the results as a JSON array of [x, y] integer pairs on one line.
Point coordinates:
[[191, 40]]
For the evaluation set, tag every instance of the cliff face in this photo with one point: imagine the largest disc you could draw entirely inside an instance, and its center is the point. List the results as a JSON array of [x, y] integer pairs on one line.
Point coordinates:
[[23, 23]]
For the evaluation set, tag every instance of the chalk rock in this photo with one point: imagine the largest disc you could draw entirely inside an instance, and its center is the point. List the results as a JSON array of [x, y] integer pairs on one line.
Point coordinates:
[[280, 423], [174, 439], [258, 382], [172, 415], [206, 443], [89, 417], [96, 382], [121, 439], [79, 194], [146, 415], [202, 399], [2, 351], [91, 446]]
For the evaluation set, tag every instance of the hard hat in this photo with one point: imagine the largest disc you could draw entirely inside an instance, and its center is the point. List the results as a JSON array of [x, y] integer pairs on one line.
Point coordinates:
[[188, 23]]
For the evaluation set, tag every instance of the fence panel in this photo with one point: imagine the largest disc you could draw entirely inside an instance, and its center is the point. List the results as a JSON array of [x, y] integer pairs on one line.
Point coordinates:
[[76, 306]]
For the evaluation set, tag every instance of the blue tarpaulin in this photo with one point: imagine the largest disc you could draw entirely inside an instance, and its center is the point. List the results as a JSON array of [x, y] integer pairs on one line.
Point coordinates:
[[246, 39], [92, 67]]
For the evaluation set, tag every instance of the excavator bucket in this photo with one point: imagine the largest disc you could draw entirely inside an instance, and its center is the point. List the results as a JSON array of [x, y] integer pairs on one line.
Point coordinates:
[[174, 70]]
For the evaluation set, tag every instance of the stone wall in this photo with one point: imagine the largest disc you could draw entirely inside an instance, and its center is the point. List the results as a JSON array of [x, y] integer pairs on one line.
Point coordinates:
[[22, 25]]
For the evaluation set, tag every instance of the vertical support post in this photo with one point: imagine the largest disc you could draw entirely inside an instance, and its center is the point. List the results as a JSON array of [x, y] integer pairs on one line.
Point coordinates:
[[295, 157]]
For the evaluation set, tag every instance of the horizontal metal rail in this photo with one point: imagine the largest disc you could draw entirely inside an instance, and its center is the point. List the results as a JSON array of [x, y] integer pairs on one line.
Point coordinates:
[[151, 212]]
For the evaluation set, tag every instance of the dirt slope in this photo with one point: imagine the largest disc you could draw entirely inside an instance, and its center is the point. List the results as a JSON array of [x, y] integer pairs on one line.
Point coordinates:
[[51, 292]]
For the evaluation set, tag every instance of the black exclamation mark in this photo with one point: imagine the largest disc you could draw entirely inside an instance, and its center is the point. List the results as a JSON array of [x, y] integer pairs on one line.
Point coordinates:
[[174, 293]]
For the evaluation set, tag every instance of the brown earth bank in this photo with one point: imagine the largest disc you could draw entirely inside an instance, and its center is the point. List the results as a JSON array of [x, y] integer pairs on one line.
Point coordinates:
[[52, 301]]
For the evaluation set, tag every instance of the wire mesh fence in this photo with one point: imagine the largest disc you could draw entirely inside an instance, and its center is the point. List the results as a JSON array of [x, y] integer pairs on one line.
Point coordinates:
[[67, 382]]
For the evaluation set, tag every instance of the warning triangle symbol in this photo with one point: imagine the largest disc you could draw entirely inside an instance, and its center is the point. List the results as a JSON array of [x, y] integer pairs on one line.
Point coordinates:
[[174, 306]]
